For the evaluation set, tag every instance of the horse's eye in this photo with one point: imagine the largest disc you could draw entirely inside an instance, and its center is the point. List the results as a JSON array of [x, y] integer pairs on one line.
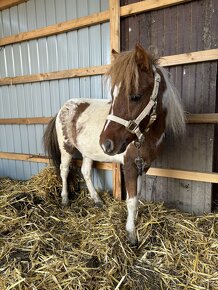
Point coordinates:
[[135, 98]]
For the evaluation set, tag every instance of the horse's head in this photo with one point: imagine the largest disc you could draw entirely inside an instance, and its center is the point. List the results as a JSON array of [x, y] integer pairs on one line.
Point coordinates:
[[133, 79]]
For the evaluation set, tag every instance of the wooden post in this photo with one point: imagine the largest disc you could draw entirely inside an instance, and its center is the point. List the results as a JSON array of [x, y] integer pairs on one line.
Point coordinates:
[[114, 25], [117, 192], [114, 6]]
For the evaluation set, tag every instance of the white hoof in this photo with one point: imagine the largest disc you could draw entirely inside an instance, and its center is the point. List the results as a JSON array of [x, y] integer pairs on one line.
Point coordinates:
[[132, 239], [65, 201]]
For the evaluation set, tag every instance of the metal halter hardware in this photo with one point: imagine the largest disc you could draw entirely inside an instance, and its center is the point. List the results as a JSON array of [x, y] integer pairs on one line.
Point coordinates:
[[133, 125]]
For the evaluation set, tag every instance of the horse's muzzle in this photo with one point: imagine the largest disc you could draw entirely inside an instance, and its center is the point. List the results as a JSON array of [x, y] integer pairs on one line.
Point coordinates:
[[108, 146]]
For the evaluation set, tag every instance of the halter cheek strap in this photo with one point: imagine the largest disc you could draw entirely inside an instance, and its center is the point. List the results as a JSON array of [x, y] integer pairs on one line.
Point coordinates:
[[133, 125]]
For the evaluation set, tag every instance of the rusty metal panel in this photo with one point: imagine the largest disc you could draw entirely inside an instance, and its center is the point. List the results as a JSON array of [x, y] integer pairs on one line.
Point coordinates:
[[174, 30]]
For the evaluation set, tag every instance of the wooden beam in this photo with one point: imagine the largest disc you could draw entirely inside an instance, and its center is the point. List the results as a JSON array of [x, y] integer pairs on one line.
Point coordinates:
[[191, 57], [114, 25], [44, 159], [96, 164], [211, 118], [25, 121], [198, 56], [71, 73], [148, 5], [184, 174], [4, 4], [161, 172], [58, 28], [24, 157], [92, 19]]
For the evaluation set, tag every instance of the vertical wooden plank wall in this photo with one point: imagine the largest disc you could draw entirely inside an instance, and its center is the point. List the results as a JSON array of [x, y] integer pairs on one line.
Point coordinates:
[[182, 29]]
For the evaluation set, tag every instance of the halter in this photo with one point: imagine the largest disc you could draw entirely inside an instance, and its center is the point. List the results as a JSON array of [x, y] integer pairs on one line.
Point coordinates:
[[133, 125]]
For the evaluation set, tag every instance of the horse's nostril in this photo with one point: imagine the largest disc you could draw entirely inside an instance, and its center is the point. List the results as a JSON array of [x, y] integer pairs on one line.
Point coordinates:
[[108, 146]]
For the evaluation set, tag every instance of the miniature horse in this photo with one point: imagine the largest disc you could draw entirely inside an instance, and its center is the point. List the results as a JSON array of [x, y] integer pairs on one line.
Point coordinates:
[[129, 129]]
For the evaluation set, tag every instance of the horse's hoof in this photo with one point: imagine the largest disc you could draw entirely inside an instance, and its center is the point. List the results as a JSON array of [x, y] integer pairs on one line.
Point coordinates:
[[133, 241], [99, 204], [134, 244], [65, 202]]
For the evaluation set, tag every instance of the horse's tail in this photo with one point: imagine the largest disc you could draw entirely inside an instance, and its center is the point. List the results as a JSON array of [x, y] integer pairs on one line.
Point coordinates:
[[51, 145]]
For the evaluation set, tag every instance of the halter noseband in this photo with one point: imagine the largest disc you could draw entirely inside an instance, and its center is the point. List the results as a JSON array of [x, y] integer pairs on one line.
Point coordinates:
[[133, 125]]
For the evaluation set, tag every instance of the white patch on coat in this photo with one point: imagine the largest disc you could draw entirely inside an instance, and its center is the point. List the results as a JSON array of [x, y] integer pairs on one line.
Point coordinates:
[[65, 161], [64, 171], [115, 94], [86, 170], [89, 126], [116, 91], [132, 210]]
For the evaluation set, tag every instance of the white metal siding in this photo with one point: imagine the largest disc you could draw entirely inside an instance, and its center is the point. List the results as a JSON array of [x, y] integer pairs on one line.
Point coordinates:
[[80, 48]]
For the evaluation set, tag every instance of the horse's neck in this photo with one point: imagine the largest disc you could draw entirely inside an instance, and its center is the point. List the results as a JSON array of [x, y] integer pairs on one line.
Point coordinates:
[[158, 128]]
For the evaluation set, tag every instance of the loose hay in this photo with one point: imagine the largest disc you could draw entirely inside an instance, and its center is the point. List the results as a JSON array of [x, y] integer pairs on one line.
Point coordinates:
[[45, 246]]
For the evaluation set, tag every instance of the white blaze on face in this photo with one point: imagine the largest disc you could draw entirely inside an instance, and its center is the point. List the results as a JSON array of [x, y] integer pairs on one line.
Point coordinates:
[[115, 94]]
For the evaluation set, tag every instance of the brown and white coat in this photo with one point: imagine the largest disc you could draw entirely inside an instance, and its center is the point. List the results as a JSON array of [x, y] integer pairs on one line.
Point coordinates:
[[83, 124]]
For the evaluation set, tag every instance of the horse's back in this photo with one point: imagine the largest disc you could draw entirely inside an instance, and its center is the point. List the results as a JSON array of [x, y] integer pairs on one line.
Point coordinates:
[[84, 114]]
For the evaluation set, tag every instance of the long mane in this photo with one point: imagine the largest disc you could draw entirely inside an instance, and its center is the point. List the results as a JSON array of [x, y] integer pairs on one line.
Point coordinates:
[[124, 71], [175, 119]]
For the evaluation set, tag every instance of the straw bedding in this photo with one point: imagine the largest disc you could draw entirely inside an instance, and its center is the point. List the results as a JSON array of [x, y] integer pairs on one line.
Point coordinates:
[[45, 246]]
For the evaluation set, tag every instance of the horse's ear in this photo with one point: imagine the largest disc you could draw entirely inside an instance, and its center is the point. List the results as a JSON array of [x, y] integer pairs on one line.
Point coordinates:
[[114, 53], [141, 58]]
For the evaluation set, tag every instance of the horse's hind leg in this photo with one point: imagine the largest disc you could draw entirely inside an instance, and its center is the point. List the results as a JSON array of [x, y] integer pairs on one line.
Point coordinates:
[[86, 171], [64, 171]]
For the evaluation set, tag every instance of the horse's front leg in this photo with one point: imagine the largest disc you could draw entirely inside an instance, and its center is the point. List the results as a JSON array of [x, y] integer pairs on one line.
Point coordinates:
[[130, 175], [86, 170]]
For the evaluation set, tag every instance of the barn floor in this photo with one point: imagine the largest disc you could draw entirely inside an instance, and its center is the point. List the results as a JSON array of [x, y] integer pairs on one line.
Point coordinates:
[[45, 246]]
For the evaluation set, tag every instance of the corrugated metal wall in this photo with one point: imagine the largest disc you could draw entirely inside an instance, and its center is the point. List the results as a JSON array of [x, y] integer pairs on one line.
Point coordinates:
[[182, 29], [81, 48]]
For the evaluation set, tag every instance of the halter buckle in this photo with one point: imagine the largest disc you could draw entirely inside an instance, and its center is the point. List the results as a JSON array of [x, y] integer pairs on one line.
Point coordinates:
[[132, 126]]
